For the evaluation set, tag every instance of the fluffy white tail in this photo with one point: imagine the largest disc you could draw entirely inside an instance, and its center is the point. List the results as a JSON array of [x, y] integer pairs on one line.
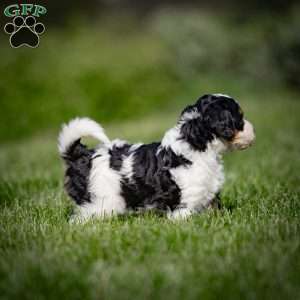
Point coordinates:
[[78, 128]]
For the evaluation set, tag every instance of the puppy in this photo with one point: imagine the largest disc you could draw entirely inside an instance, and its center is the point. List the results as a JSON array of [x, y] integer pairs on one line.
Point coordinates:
[[181, 175]]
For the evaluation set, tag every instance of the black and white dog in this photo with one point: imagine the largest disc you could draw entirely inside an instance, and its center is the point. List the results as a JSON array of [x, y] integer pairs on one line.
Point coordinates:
[[180, 175]]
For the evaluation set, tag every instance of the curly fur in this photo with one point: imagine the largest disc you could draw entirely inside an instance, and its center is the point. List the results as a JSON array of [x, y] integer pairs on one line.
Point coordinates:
[[181, 175]]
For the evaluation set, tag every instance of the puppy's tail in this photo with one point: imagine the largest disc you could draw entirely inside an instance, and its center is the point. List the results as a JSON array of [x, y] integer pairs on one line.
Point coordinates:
[[72, 132]]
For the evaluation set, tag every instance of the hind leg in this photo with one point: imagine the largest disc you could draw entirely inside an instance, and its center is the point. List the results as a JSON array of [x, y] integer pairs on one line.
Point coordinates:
[[104, 187], [85, 212]]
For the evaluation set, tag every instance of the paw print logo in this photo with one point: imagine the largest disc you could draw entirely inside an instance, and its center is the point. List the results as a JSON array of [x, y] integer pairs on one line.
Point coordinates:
[[24, 32]]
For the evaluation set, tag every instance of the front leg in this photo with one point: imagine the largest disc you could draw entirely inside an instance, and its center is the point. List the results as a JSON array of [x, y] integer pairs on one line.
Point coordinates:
[[216, 202], [181, 213]]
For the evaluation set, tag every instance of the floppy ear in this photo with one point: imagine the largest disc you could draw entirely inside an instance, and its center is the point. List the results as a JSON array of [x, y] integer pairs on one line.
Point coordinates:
[[223, 126], [196, 134]]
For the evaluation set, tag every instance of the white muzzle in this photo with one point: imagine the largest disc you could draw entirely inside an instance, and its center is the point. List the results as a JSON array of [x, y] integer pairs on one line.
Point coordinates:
[[245, 138]]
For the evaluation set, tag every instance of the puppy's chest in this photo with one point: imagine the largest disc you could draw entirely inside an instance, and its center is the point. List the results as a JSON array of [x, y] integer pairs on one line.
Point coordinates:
[[200, 181]]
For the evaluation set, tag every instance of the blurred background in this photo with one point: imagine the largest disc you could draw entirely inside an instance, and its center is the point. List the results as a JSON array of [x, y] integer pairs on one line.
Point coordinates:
[[116, 60]]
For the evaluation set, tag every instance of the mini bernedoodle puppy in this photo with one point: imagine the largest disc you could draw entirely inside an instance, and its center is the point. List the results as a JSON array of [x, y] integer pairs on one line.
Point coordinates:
[[181, 175]]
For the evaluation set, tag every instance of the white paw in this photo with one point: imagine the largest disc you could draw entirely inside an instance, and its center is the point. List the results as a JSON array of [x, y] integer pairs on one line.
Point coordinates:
[[180, 214]]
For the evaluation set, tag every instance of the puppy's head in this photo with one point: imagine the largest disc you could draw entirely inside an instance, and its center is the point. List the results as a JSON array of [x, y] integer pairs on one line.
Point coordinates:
[[217, 116]]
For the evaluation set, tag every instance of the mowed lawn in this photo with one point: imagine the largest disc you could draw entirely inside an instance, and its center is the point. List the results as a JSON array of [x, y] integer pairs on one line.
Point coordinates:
[[248, 250]]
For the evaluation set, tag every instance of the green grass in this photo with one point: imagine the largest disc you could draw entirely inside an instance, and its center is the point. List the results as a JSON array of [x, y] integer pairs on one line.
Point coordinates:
[[248, 250]]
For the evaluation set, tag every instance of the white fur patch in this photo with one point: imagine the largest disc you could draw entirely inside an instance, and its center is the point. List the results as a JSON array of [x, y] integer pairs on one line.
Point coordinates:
[[201, 181], [190, 115], [180, 214], [221, 95], [127, 167]]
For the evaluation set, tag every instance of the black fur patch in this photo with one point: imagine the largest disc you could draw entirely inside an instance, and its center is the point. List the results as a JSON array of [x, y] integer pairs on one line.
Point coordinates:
[[151, 184], [196, 133], [117, 155], [78, 161]]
